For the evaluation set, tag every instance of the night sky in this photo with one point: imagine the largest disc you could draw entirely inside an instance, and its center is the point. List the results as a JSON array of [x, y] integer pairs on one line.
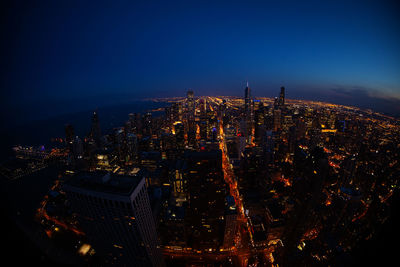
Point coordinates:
[[59, 58]]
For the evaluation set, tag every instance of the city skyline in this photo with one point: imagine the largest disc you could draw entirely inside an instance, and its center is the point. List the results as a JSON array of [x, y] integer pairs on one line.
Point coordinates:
[[198, 180], [60, 56], [200, 133]]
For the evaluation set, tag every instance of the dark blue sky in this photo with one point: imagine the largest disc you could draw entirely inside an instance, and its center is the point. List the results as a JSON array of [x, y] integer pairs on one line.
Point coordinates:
[[65, 57]]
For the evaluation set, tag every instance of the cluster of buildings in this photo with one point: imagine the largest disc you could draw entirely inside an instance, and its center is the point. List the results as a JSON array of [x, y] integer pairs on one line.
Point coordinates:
[[233, 181]]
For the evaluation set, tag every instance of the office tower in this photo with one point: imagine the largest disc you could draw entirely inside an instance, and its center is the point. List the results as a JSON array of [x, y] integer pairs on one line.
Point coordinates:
[[276, 103], [147, 124], [175, 112], [180, 134], [137, 123], [190, 104], [69, 134], [300, 129], [190, 123], [203, 106], [269, 118], [230, 222], [132, 147], [277, 119], [206, 199], [269, 146], [129, 125], [95, 132], [282, 97], [241, 145], [131, 118], [248, 109], [259, 122], [203, 125], [178, 178], [168, 114], [287, 122], [292, 139], [115, 214], [247, 99], [77, 149], [119, 143]]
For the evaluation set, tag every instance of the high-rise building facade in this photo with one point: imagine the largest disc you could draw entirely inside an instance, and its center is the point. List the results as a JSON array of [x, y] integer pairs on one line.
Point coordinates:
[[190, 104], [282, 97], [206, 199], [95, 132], [69, 134], [114, 212], [248, 110], [231, 224]]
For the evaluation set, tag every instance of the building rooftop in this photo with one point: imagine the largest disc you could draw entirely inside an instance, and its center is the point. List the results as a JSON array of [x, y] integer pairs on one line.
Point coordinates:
[[230, 206], [105, 182]]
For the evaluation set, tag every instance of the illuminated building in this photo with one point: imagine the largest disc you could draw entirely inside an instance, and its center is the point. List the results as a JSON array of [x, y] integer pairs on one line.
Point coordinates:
[[132, 147], [177, 111], [269, 146], [282, 97], [179, 134], [248, 111], [259, 122], [190, 105], [95, 132], [69, 134], [137, 123], [190, 122], [230, 222], [77, 149], [277, 119], [147, 124], [119, 145], [178, 179], [205, 209], [203, 129], [247, 100], [150, 159], [114, 211]]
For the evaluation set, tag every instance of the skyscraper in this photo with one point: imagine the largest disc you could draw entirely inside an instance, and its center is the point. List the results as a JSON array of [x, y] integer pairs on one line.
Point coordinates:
[[77, 150], [205, 200], [115, 213], [69, 134], [248, 112], [190, 104], [190, 122], [230, 222], [180, 134], [147, 124], [277, 119], [282, 97], [247, 99], [132, 146], [95, 132]]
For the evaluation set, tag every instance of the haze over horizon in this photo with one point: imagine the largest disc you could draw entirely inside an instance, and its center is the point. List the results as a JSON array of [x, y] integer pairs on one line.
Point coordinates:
[[67, 57]]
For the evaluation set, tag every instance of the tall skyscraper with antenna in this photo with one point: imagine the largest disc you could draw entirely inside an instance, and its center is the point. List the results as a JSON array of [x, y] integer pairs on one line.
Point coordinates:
[[248, 110], [247, 99], [95, 132], [282, 97]]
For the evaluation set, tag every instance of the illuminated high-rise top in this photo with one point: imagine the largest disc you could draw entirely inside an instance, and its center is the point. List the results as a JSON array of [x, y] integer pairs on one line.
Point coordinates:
[[190, 104], [282, 97], [95, 132], [247, 98]]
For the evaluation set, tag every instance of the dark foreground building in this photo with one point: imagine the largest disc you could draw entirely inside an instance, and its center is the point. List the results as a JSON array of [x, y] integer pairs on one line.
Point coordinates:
[[114, 211]]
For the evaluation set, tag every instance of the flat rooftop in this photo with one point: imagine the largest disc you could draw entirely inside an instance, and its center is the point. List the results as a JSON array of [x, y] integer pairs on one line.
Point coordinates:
[[105, 182]]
